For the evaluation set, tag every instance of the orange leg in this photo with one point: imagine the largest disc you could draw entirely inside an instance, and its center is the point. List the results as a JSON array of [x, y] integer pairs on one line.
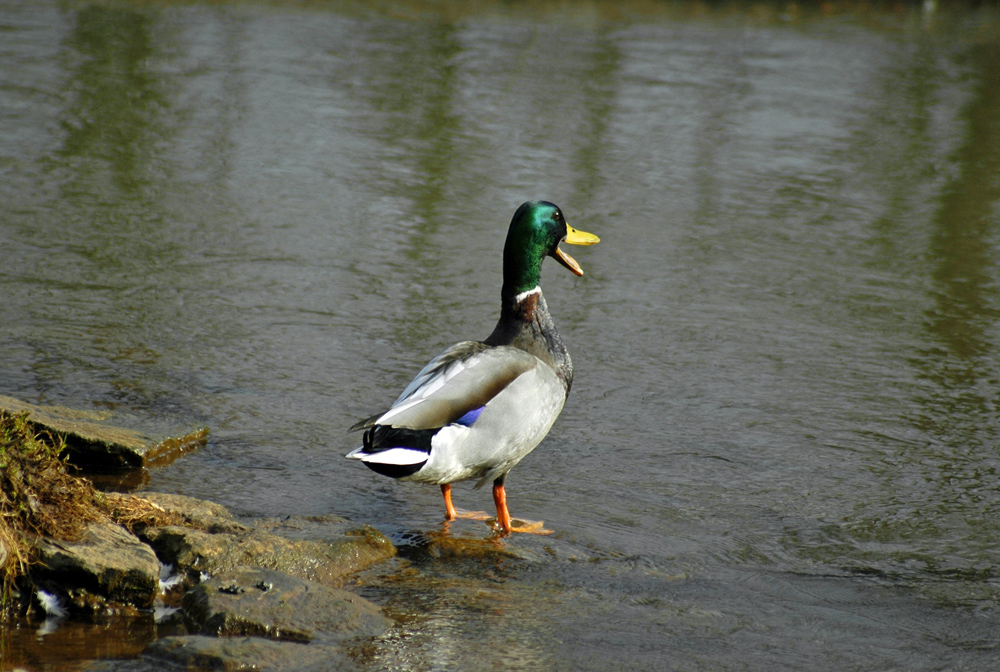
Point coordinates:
[[503, 515], [451, 513], [504, 522], [449, 508]]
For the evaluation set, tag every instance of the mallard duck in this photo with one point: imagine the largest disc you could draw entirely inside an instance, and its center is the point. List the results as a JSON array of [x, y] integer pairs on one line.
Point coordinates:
[[479, 407]]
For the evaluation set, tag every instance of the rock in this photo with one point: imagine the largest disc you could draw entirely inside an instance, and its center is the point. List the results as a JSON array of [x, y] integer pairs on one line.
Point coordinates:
[[101, 442], [248, 601], [305, 527], [320, 549], [108, 563], [198, 512], [198, 652], [354, 548], [446, 546]]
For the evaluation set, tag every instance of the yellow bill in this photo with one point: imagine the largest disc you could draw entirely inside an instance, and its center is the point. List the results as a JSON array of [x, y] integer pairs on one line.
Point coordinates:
[[575, 237]]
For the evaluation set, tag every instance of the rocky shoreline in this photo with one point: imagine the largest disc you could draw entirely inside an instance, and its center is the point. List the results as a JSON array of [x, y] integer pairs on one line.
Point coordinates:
[[227, 579], [239, 594]]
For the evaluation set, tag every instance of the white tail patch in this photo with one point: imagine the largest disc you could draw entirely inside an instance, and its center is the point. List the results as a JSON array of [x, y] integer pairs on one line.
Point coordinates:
[[397, 456]]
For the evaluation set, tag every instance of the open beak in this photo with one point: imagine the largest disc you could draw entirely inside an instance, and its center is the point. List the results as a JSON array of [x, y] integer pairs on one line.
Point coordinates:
[[574, 237]]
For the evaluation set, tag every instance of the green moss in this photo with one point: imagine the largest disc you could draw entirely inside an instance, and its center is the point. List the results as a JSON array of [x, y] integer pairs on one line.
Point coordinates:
[[38, 497], [41, 497]]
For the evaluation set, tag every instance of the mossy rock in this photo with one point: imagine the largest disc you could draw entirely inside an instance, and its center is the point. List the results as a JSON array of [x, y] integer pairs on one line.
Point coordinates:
[[103, 442]]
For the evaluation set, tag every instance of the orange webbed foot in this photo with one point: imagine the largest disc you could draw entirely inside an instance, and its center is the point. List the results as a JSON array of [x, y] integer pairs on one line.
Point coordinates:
[[521, 526], [469, 515], [451, 513], [504, 524]]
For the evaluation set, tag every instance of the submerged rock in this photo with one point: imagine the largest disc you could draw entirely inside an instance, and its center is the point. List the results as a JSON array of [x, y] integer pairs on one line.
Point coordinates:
[[264, 603], [108, 563], [471, 548], [100, 441], [199, 652], [354, 548]]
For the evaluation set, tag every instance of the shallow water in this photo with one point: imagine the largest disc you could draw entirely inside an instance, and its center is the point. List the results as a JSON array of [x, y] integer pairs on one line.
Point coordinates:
[[780, 451]]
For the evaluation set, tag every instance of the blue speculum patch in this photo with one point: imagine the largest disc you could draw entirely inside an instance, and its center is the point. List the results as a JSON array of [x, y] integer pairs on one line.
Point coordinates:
[[470, 417]]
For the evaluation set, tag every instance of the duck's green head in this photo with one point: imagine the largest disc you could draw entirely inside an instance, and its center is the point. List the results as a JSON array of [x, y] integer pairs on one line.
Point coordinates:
[[535, 233]]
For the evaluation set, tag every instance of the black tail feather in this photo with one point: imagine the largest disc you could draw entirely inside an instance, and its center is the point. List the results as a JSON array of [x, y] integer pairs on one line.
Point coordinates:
[[383, 437]]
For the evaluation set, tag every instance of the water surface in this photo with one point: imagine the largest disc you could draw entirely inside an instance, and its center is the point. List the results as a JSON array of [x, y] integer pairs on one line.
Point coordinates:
[[780, 451]]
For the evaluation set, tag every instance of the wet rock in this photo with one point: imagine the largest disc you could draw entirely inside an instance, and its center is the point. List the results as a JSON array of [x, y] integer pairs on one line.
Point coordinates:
[[323, 550], [249, 601], [305, 527], [108, 563], [103, 442], [198, 513], [355, 548], [496, 549], [245, 653]]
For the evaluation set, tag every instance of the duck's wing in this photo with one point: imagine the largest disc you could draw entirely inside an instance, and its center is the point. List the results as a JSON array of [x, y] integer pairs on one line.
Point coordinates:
[[459, 381]]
